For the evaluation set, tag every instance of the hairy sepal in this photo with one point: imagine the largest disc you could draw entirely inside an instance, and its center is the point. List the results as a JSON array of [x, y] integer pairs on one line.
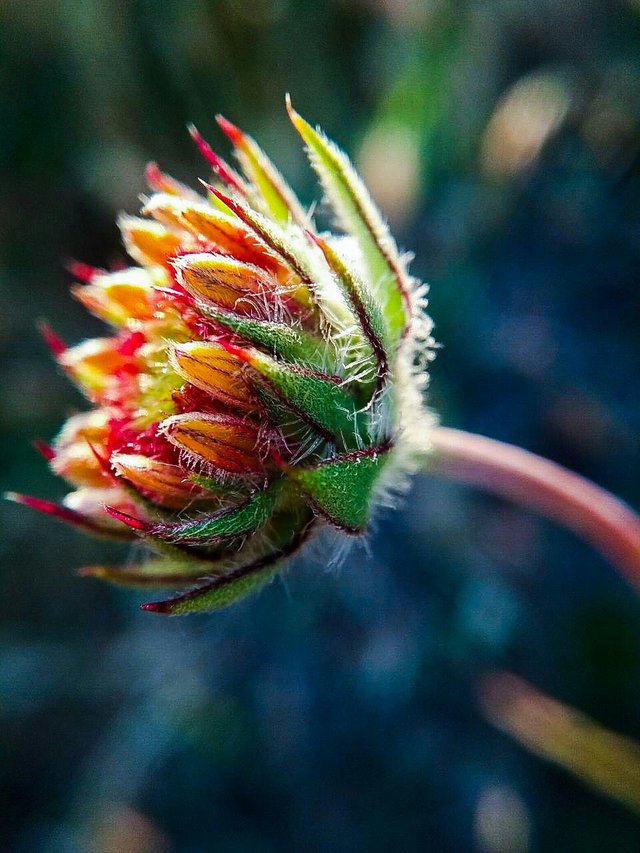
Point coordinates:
[[284, 342], [359, 217], [277, 241], [243, 519], [365, 308], [340, 488], [319, 399], [278, 198], [219, 592]]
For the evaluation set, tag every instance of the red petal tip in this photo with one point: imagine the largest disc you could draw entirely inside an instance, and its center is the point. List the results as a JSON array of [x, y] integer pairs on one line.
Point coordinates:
[[55, 343], [228, 201], [125, 518], [81, 271], [45, 450], [203, 146], [234, 133], [46, 507], [278, 460], [225, 198], [219, 166], [208, 187], [153, 176]]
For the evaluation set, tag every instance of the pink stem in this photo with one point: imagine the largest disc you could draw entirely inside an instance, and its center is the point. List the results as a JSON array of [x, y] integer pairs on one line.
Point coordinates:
[[597, 516]]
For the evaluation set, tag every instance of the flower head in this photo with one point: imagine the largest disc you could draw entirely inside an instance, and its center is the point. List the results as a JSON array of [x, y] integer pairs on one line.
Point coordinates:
[[259, 380]]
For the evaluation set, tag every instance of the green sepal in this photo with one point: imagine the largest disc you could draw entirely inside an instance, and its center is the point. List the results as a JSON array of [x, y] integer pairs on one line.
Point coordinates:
[[238, 520], [156, 573], [365, 308], [217, 594], [225, 489], [276, 195], [318, 399], [359, 217], [340, 488], [238, 582], [285, 342]]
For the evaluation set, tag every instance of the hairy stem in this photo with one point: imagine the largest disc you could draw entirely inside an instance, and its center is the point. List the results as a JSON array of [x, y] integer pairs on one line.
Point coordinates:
[[592, 513]]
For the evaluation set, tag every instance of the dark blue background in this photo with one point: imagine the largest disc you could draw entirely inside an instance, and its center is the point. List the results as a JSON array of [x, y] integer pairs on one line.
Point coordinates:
[[337, 710]]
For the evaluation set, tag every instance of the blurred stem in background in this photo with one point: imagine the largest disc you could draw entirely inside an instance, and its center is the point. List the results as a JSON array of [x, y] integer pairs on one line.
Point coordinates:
[[602, 759], [608, 762]]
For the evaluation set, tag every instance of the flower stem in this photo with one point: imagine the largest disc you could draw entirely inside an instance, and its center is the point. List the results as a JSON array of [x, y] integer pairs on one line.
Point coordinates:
[[594, 514]]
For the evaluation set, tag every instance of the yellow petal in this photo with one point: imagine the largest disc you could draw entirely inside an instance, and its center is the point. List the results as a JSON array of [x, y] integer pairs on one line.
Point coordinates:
[[228, 282], [148, 242], [209, 367], [119, 297], [164, 483], [225, 442]]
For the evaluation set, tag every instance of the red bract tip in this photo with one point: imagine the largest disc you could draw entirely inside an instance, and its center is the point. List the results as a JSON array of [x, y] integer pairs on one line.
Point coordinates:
[[208, 187], [132, 343], [45, 450], [203, 146], [155, 607], [55, 344], [49, 508], [234, 133], [130, 520], [219, 166], [83, 272], [277, 459]]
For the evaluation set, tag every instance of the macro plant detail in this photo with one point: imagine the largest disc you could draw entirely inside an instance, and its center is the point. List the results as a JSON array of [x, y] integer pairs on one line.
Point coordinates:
[[263, 379], [260, 379]]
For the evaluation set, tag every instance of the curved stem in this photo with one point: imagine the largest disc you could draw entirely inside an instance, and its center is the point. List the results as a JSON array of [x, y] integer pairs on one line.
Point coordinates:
[[592, 513]]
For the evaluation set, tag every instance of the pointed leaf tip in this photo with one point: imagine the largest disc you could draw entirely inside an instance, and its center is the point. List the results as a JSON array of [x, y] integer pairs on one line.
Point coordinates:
[[272, 192], [358, 215], [340, 488], [63, 513], [156, 607]]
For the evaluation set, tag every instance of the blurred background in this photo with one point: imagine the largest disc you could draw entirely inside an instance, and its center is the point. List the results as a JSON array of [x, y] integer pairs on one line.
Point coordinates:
[[338, 710]]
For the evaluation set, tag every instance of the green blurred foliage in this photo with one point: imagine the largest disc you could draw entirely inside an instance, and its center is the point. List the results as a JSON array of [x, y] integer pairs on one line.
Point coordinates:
[[336, 711]]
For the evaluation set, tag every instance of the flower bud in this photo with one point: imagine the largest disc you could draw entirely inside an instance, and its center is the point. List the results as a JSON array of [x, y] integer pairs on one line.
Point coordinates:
[[261, 380], [228, 283]]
